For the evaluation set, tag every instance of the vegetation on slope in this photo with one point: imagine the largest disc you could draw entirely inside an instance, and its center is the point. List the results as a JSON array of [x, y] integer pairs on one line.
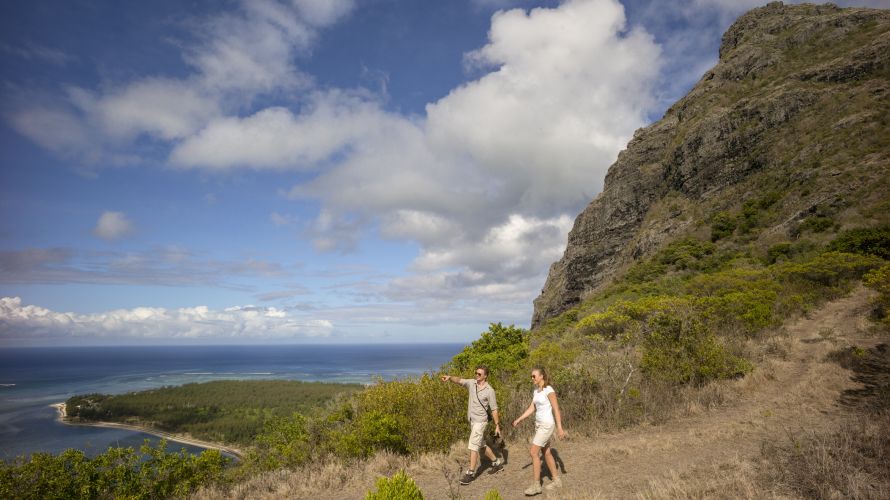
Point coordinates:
[[150, 473]]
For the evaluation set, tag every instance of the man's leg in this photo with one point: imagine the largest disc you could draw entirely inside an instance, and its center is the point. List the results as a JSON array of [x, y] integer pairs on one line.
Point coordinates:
[[474, 460], [497, 464]]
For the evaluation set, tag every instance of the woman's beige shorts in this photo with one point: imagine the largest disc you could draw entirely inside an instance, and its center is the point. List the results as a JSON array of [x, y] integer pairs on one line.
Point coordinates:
[[543, 433], [477, 435]]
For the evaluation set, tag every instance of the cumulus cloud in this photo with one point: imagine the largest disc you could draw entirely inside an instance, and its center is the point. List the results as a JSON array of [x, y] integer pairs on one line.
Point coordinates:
[[489, 180], [237, 56], [113, 226], [20, 322]]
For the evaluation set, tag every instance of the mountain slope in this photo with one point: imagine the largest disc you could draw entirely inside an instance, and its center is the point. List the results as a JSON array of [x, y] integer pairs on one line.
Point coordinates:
[[787, 134]]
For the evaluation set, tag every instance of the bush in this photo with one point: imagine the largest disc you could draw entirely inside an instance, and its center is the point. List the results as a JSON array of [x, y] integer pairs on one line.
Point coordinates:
[[722, 225], [777, 251], [406, 416], [815, 224], [829, 269], [117, 473], [681, 350], [879, 280], [866, 241], [502, 349], [375, 431], [399, 487], [283, 442]]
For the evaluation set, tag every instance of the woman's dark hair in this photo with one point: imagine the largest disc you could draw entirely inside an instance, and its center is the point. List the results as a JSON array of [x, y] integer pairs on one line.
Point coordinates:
[[544, 375]]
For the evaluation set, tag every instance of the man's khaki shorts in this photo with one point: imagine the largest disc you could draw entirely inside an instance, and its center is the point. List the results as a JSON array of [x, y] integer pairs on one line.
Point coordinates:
[[477, 435]]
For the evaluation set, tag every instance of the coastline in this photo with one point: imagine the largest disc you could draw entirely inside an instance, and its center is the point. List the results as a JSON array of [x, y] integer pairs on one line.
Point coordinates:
[[177, 438]]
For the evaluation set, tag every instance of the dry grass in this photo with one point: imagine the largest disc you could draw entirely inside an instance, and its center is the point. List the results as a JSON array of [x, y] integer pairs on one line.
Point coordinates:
[[853, 461], [735, 479], [324, 475]]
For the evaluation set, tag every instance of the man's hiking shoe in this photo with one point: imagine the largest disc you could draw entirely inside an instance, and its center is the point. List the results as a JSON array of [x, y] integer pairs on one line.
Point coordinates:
[[496, 467], [467, 478], [533, 490], [557, 483]]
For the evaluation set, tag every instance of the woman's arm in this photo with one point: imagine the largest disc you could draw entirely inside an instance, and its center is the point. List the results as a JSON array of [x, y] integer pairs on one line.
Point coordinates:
[[557, 414], [528, 411]]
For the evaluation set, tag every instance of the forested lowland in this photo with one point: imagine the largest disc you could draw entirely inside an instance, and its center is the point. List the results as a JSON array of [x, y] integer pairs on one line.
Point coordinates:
[[225, 411]]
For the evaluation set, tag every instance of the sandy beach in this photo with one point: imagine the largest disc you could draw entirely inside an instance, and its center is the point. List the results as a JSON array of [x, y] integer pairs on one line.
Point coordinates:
[[178, 438]]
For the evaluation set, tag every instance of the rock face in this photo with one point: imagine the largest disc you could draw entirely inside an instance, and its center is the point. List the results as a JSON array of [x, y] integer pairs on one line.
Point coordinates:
[[798, 104]]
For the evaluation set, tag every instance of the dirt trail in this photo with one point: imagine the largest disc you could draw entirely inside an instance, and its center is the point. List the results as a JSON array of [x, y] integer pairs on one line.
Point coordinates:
[[796, 392]]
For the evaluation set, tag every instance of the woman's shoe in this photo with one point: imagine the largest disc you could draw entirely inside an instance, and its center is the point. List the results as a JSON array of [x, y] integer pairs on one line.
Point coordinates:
[[533, 490], [557, 483]]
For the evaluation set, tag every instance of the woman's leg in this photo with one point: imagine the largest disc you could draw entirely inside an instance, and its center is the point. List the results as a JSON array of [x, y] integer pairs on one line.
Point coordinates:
[[535, 452], [551, 463]]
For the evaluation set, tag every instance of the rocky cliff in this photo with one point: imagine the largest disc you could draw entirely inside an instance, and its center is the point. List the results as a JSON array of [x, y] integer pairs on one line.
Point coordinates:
[[793, 121]]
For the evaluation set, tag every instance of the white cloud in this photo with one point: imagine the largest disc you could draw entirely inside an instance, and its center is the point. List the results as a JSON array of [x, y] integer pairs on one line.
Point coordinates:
[[54, 129], [113, 226], [276, 138], [164, 108], [21, 322], [489, 181], [238, 56]]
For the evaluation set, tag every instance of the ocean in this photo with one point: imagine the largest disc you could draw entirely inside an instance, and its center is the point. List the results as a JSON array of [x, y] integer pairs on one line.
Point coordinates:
[[31, 379]]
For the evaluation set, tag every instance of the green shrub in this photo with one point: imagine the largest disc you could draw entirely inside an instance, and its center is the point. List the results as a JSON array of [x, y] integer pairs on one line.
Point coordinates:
[[749, 216], [407, 416], [502, 349], [866, 241], [686, 253], [829, 269], [399, 487], [722, 225], [608, 324], [492, 495], [374, 431], [778, 251], [117, 473], [879, 280], [816, 224], [284, 442], [681, 350], [551, 353], [642, 272]]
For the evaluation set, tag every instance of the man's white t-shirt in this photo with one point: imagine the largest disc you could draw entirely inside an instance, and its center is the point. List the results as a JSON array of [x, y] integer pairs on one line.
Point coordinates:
[[543, 408]]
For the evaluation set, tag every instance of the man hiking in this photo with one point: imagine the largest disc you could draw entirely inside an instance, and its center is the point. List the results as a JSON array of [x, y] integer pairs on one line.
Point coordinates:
[[481, 407]]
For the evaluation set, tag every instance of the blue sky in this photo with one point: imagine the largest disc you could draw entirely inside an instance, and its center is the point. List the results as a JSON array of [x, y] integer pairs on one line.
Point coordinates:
[[314, 170]]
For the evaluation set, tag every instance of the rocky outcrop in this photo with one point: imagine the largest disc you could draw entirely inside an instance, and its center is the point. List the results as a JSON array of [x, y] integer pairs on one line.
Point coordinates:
[[793, 99]]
